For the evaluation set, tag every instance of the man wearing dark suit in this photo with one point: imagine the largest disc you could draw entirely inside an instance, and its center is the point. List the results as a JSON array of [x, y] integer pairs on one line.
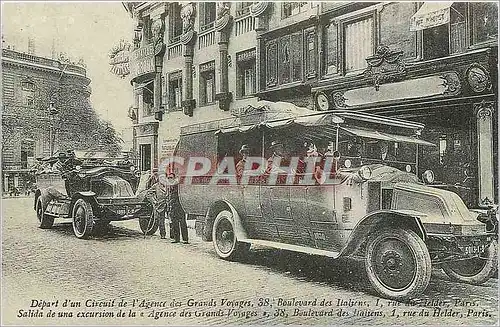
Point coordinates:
[[176, 213]]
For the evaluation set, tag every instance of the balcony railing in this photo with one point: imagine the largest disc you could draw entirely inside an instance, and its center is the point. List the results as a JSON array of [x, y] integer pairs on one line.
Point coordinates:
[[174, 50], [244, 25], [207, 39]]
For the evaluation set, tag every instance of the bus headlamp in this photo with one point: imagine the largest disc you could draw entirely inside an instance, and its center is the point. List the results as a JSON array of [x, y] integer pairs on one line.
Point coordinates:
[[428, 176], [365, 172]]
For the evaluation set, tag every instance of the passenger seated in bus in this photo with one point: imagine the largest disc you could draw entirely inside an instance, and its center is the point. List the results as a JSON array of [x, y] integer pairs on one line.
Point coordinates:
[[240, 166], [384, 154]]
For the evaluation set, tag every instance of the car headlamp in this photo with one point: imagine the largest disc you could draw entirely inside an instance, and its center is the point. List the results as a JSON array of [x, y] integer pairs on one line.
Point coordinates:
[[365, 172], [347, 163], [408, 168], [132, 168], [137, 173], [428, 176]]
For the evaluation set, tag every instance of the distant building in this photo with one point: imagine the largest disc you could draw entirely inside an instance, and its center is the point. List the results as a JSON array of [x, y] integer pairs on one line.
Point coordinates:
[[30, 84], [431, 62]]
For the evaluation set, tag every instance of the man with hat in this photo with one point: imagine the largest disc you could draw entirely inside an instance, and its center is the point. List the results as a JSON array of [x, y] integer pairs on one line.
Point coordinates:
[[156, 194], [175, 212], [240, 166], [62, 158], [276, 159]]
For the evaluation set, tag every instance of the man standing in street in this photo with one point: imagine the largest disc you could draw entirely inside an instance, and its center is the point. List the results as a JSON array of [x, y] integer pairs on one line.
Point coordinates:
[[175, 212]]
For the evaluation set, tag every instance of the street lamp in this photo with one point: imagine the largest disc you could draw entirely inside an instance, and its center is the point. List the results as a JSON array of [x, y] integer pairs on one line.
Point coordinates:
[[52, 111]]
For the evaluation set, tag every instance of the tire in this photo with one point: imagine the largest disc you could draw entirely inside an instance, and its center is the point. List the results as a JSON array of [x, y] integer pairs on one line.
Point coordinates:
[[224, 239], [149, 223], [45, 221], [83, 219], [398, 264], [476, 270]]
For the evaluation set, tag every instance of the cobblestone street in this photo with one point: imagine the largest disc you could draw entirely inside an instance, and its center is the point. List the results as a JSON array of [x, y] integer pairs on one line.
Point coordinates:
[[121, 265]]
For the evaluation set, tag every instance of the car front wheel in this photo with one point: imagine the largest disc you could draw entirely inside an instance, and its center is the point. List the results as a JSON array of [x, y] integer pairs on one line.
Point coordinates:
[[83, 219], [398, 264], [224, 239], [45, 221], [476, 270]]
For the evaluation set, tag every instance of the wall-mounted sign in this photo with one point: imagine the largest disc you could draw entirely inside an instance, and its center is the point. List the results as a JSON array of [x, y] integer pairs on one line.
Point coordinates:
[[142, 61], [119, 58], [446, 84], [168, 148]]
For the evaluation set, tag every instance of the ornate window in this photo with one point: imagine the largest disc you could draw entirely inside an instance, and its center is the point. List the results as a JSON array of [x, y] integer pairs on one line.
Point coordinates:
[[207, 83], [311, 54], [175, 23], [243, 8], [28, 93], [484, 21], [208, 11], [148, 98], [284, 60], [292, 8], [446, 39], [245, 71], [358, 43], [175, 90]]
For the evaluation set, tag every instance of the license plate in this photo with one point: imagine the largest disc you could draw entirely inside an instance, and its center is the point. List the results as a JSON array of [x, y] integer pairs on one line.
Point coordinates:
[[474, 249]]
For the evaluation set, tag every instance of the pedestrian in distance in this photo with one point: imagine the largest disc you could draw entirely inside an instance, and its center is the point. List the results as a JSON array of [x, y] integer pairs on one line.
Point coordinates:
[[175, 212]]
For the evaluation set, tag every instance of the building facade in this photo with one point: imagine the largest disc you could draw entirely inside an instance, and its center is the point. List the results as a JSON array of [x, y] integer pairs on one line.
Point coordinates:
[[434, 63], [36, 91]]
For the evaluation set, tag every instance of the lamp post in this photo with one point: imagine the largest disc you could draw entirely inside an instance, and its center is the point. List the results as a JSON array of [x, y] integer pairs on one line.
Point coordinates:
[[52, 111]]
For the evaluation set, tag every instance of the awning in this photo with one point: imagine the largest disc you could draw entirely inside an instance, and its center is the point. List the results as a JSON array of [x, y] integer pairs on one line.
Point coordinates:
[[384, 136], [318, 120], [431, 14]]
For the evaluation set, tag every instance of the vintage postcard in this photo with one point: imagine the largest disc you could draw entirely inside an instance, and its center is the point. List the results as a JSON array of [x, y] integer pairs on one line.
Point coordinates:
[[249, 163]]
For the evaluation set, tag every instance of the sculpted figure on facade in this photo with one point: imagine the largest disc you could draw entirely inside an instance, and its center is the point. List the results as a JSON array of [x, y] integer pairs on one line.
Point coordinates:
[[187, 16], [158, 29], [222, 9]]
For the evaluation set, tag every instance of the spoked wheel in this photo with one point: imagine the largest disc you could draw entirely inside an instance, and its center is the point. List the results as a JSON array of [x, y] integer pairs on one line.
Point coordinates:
[[224, 239], [45, 221], [476, 270], [83, 219], [398, 264], [148, 222]]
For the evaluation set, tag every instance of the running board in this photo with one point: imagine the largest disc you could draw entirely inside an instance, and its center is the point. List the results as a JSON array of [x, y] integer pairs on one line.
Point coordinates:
[[290, 247]]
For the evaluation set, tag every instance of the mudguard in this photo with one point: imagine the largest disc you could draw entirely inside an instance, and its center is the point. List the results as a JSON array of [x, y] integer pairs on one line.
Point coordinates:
[[239, 230], [383, 218]]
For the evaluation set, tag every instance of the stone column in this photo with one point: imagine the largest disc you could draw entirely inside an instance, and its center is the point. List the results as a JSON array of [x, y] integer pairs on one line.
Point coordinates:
[[224, 96], [189, 103]]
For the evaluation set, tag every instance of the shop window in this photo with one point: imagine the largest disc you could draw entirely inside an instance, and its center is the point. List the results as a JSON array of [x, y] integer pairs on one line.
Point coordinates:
[[207, 83], [484, 21], [292, 8], [243, 8], [207, 15], [175, 90], [175, 23], [28, 93], [148, 98], [358, 43], [450, 38], [245, 70]]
